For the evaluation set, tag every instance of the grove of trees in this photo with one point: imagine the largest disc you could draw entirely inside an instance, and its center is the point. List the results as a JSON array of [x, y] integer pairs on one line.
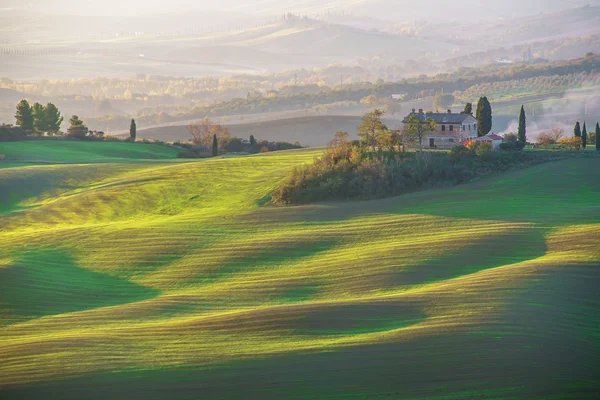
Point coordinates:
[[38, 118]]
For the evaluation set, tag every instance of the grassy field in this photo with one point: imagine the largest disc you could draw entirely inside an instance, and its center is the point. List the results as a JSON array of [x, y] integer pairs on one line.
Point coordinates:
[[169, 279]]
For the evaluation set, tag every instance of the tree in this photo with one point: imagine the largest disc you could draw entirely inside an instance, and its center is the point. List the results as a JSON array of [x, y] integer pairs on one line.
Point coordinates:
[[40, 122], [215, 146], [132, 130], [415, 129], [372, 128], [584, 136], [53, 118], [24, 115], [597, 136], [551, 137], [443, 101], [252, 141], [484, 116], [577, 130], [468, 109], [77, 128], [522, 126], [202, 133], [510, 137]]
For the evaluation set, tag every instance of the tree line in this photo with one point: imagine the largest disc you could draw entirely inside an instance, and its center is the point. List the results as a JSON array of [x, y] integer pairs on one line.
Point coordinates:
[[38, 119]]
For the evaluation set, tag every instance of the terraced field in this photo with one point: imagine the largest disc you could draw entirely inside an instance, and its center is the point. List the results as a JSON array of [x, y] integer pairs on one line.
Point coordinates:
[[152, 279]]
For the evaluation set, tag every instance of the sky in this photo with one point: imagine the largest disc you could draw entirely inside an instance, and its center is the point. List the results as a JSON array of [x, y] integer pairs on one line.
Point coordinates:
[[374, 8]]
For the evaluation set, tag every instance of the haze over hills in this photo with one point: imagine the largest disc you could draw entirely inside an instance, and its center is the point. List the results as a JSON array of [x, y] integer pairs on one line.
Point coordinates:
[[386, 9], [221, 43]]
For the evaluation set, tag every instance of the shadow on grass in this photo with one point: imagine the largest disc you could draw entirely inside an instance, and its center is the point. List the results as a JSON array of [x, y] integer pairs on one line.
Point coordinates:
[[265, 258], [49, 282], [489, 252]]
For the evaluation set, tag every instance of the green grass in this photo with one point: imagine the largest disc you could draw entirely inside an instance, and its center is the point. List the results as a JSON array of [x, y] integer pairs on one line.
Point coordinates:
[[176, 279], [75, 151]]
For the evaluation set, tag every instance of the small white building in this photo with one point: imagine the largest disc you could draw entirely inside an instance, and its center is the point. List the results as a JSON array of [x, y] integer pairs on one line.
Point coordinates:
[[492, 138]]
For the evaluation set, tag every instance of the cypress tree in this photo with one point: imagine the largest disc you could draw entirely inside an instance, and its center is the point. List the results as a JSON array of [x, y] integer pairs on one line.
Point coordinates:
[[53, 118], [132, 130], [483, 116], [40, 121], [24, 115], [252, 141], [584, 136], [597, 136], [215, 146], [522, 136], [468, 109], [577, 130]]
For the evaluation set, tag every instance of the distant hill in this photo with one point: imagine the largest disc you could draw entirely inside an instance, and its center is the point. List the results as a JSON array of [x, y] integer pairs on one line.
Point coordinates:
[[309, 131], [14, 96]]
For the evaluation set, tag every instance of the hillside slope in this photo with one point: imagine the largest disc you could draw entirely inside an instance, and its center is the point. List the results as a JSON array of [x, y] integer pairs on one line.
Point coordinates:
[[178, 280]]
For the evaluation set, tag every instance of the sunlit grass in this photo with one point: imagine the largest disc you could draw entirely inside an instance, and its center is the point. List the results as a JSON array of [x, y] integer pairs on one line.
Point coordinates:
[[149, 265]]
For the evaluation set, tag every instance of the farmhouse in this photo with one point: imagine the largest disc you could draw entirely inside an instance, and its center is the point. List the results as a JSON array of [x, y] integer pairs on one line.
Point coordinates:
[[452, 128]]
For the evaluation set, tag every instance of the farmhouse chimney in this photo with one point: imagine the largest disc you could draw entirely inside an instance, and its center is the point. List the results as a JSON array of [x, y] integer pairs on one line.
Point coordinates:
[[449, 111], [413, 110]]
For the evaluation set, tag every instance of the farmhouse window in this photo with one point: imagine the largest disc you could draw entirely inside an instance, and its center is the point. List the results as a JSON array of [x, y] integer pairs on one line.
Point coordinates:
[[451, 128], [443, 128]]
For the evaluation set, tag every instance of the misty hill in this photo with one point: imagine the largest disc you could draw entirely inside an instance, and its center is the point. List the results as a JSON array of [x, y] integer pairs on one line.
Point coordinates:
[[309, 131]]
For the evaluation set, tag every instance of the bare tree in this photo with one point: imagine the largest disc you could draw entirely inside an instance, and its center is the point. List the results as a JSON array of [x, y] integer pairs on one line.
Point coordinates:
[[415, 129], [203, 133]]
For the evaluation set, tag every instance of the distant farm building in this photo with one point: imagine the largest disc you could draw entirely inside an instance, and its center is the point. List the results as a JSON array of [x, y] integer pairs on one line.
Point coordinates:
[[398, 96], [452, 128], [492, 138]]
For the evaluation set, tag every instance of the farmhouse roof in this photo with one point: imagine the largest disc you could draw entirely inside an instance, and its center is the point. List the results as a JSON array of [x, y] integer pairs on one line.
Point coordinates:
[[493, 136], [439, 118]]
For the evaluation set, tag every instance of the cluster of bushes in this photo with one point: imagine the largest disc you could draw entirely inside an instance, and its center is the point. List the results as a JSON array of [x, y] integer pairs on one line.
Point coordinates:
[[512, 146], [234, 145], [9, 133], [355, 170]]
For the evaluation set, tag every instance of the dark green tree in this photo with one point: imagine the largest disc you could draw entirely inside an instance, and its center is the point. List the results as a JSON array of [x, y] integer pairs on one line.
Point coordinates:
[[132, 130], [252, 141], [584, 136], [215, 146], [577, 130], [24, 115], [468, 109], [597, 136], [40, 122], [483, 116], [522, 134], [77, 128], [53, 118]]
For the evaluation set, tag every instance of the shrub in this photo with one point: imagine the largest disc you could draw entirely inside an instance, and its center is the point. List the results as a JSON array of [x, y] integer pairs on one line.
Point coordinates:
[[472, 145], [483, 148], [9, 133], [511, 137], [572, 143], [512, 146]]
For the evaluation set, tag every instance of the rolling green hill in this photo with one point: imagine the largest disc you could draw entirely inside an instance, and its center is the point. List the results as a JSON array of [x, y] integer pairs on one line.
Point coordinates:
[[178, 280], [74, 151]]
